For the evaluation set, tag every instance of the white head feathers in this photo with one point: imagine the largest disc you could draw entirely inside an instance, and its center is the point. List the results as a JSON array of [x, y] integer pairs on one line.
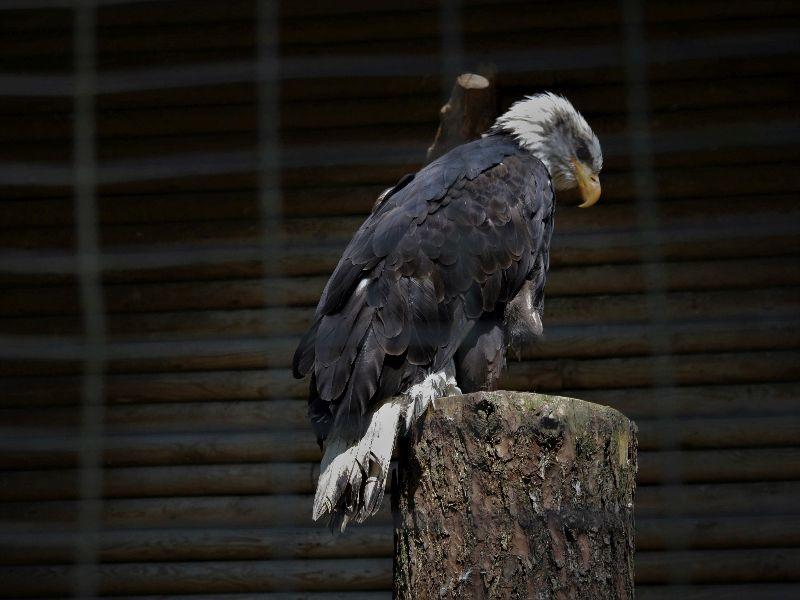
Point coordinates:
[[555, 132]]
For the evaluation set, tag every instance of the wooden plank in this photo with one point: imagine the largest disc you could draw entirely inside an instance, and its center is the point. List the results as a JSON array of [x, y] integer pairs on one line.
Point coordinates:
[[634, 340], [170, 512], [696, 466], [693, 369], [720, 566], [163, 449], [717, 499], [372, 595], [702, 566], [153, 357], [232, 107], [501, 19], [206, 243], [598, 89], [704, 466], [183, 480], [369, 541], [752, 531], [745, 304], [226, 294], [752, 591], [713, 500], [742, 305], [731, 274], [178, 325], [610, 279], [345, 209], [49, 447], [752, 431], [734, 66], [708, 401], [588, 341], [567, 281], [171, 416], [548, 375], [681, 177], [221, 259], [159, 129], [183, 12], [517, 83], [613, 237], [226, 112], [173, 387], [397, 140], [200, 545], [205, 577], [55, 18], [497, 24], [200, 205], [690, 405], [233, 117], [655, 10]]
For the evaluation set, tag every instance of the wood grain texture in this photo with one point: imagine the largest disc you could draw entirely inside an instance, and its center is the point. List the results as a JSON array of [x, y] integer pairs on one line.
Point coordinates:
[[203, 577], [255, 510], [245, 543], [549, 375], [701, 307], [25, 446], [151, 293], [201, 544]]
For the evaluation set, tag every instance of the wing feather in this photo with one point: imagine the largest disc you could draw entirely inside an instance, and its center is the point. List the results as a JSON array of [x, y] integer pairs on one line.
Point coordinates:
[[449, 246]]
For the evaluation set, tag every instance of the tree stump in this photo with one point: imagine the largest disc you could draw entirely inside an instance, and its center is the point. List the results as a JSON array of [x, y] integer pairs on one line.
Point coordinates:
[[516, 495]]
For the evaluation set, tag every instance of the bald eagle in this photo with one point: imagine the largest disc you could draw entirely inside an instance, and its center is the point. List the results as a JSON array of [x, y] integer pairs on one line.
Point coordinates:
[[444, 275]]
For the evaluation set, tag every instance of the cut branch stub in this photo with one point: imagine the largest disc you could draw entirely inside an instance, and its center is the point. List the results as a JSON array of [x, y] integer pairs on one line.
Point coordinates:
[[468, 114]]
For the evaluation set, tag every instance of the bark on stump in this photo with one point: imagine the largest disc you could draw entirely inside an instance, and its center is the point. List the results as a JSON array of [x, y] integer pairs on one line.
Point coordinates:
[[516, 495]]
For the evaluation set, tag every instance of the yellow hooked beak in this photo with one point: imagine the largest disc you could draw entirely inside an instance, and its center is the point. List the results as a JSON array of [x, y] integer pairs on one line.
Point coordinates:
[[588, 183]]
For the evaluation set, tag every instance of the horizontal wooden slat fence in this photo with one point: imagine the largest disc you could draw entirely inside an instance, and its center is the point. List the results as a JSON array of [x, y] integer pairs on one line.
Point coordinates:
[[208, 461]]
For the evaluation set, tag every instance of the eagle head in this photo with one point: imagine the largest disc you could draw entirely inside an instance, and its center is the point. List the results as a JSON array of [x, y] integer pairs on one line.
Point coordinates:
[[557, 134]]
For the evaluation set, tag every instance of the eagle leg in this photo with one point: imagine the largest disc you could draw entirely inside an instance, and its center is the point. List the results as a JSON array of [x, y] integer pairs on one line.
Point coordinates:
[[355, 466]]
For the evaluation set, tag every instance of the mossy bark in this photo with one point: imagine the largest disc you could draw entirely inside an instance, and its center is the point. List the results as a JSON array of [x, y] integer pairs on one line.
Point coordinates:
[[516, 495]]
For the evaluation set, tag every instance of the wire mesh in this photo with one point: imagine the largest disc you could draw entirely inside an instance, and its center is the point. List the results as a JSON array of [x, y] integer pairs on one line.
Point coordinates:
[[90, 463]]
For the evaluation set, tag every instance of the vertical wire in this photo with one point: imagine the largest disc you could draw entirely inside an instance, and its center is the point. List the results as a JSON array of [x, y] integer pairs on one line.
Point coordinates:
[[91, 297], [648, 217], [451, 44], [270, 200]]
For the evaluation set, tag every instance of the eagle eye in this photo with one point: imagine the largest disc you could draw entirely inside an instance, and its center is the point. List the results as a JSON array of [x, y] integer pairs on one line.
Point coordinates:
[[582, 152]]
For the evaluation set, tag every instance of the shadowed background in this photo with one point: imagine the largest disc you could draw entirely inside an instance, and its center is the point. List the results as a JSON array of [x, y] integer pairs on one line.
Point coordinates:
[[178, 180]]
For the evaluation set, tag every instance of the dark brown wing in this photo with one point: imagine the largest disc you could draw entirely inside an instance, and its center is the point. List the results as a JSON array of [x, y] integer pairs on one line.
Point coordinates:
[[455, 243], [481, 357]]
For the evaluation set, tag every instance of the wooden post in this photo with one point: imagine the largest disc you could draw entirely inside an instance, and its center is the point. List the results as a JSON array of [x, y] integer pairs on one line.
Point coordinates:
[[468, 114], [516, 495]]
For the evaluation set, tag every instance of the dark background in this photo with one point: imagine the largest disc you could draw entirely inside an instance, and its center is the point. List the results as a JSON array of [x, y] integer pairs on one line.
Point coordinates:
[[178, 179]]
